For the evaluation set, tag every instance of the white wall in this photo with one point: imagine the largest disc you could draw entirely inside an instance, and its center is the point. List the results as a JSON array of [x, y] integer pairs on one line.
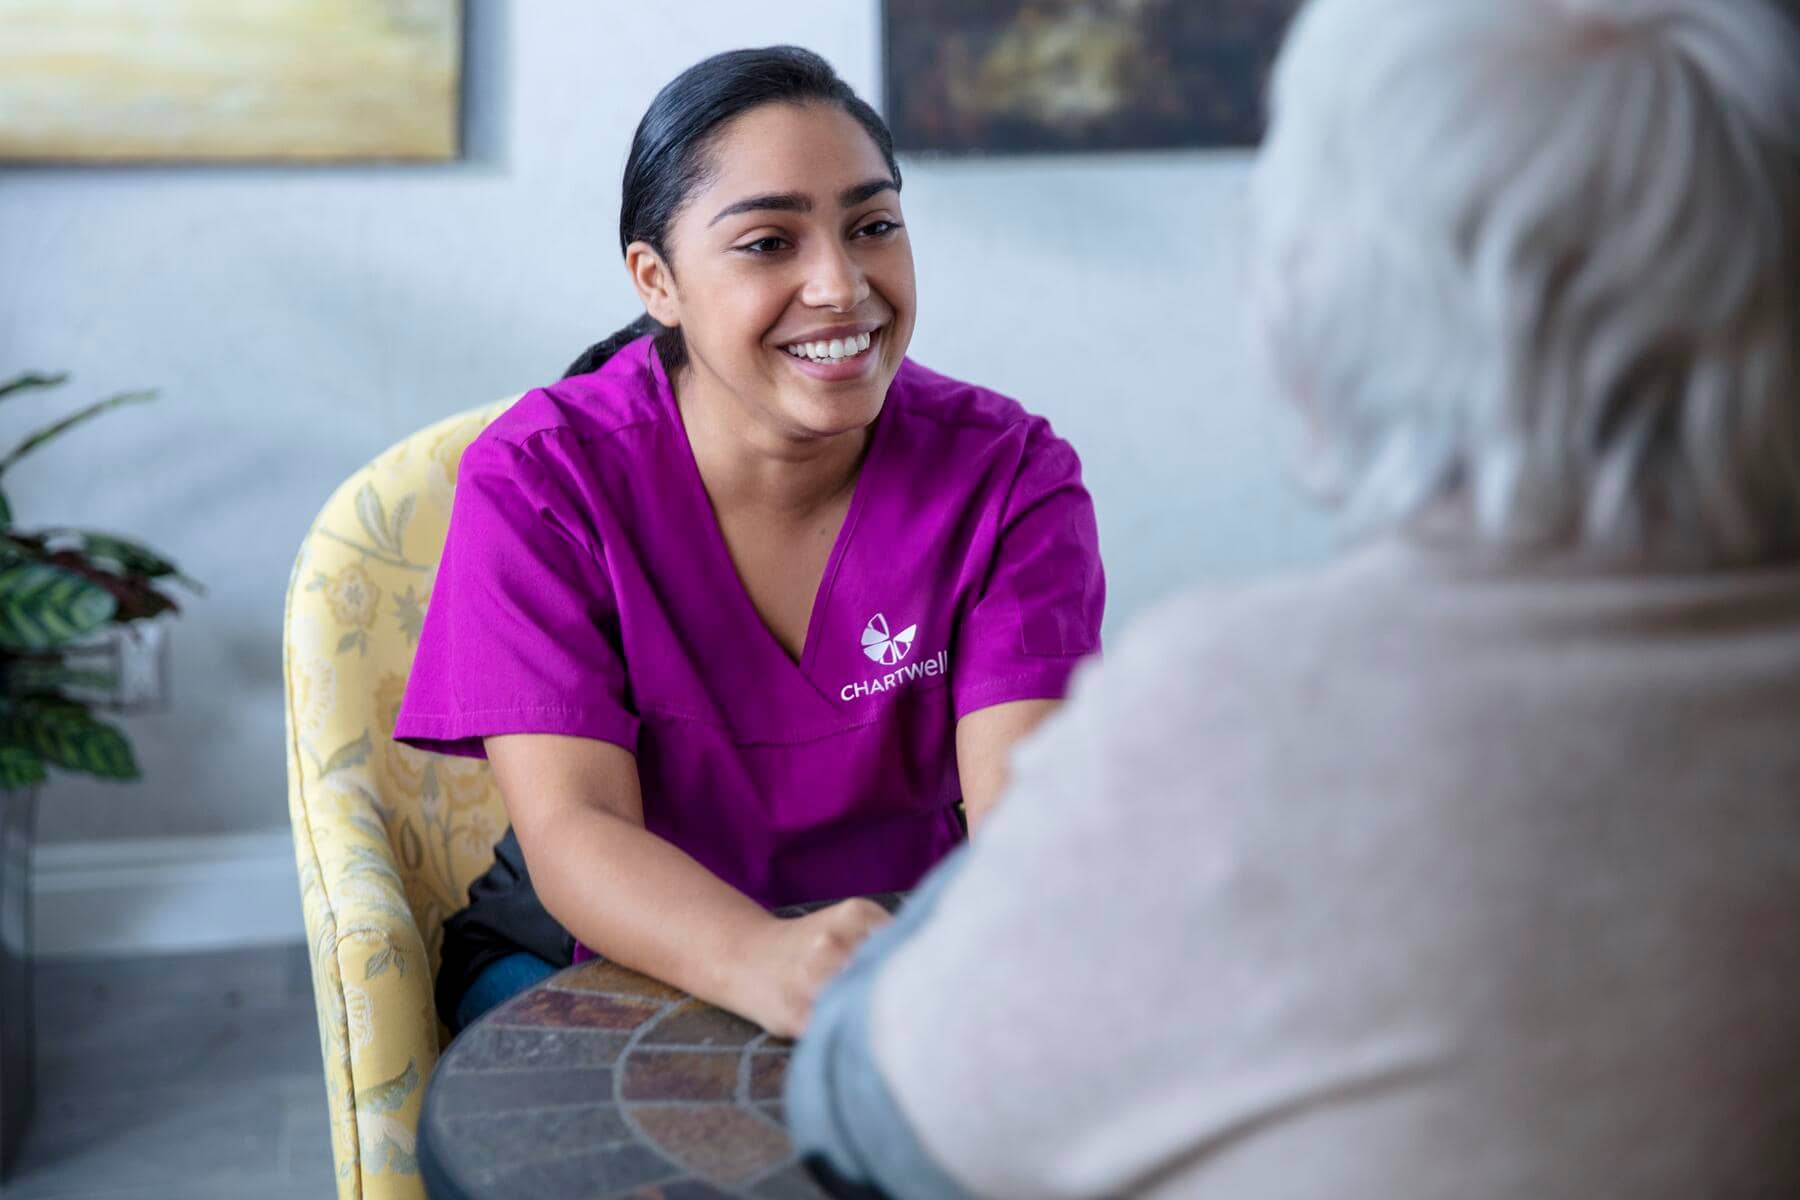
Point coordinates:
[[298, 320]]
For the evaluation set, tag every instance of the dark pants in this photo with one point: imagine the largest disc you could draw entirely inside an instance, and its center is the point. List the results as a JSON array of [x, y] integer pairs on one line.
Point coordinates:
[[504, 917]]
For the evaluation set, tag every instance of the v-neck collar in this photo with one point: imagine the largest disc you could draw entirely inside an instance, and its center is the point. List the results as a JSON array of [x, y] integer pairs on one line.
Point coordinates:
[[715, 536]]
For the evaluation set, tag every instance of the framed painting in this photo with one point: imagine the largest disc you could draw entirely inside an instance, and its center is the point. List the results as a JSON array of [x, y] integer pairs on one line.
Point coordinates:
[[1026, 76], [229, 80]]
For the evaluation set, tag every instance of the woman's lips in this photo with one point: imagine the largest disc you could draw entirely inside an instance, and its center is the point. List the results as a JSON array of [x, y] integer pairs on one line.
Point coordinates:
[[838, 370]]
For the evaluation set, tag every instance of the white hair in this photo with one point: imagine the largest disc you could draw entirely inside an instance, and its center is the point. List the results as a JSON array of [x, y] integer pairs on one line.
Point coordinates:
[[1537, 262]]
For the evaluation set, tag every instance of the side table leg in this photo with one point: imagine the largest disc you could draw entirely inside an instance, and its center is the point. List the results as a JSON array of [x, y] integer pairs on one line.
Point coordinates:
[[17, 1032]]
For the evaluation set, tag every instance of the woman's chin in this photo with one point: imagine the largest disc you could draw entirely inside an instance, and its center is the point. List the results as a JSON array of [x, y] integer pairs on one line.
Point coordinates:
[[849, 401], [845, 411]]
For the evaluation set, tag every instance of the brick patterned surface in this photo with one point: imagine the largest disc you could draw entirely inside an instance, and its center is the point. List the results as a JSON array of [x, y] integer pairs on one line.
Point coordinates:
[[602, 1082]]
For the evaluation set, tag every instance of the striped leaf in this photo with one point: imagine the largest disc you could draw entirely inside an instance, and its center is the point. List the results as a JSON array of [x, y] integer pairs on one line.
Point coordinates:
[[69, 736], [128, 556], [42, 606], [20, 766]]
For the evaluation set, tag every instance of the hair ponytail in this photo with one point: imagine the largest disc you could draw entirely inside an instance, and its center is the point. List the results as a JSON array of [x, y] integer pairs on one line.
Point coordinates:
[[668, 344], [668, 158]]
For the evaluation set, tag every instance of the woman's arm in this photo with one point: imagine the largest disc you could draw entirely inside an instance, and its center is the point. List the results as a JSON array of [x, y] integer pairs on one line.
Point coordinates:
[[984, 744], [576, 806]]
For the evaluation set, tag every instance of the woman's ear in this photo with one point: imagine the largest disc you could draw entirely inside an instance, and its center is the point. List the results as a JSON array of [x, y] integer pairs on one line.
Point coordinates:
[[655, 283]]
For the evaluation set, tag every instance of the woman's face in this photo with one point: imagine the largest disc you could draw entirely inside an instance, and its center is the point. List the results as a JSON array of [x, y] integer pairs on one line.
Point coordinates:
[[792, 275]]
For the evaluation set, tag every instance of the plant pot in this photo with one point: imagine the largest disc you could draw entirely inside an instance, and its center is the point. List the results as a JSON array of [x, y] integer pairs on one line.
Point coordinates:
[[17, 1034]]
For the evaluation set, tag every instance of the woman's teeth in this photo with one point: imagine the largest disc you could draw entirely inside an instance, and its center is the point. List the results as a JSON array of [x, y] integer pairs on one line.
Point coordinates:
[[836, 350]]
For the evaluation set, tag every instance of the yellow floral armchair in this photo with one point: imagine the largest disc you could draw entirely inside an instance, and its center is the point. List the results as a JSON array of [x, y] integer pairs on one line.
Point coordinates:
[[387, 838]]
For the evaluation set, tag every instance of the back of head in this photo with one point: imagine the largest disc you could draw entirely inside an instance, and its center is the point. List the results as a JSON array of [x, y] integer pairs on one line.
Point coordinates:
[[1533, 267]]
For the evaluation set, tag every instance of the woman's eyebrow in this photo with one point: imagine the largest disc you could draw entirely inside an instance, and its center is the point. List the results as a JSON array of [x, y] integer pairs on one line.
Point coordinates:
[[800, 202], [850, 197], [768, 201]]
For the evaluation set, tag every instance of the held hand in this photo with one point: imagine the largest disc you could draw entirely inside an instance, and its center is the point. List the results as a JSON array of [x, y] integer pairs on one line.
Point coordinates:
[[795, 958]]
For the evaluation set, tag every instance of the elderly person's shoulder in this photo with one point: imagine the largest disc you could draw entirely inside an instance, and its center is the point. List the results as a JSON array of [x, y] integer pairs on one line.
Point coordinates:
[[1220, 618], [1426, 607], [1228, 645]]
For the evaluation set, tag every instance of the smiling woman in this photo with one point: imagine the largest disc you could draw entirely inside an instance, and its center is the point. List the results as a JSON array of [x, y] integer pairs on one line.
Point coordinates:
[[792, 247], [654, 608]]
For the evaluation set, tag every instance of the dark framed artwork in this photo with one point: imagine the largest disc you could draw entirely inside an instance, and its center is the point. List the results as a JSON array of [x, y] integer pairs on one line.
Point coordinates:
[[1029, 76]]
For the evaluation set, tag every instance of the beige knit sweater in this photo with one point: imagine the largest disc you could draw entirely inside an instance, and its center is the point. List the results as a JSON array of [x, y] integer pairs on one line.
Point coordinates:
[[1412, 878]]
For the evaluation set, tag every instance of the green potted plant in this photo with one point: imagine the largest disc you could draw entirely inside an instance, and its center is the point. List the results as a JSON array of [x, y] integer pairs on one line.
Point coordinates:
[[58, 589], [61, 591]]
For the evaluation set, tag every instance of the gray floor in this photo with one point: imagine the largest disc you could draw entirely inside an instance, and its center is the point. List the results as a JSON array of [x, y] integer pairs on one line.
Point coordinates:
[[194, 1077]]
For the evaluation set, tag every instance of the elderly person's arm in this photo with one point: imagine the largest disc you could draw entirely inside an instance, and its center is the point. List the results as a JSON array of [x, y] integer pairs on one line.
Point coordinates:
[[858, 1133], [1129, 966], [844, 1119], [842, 1107]]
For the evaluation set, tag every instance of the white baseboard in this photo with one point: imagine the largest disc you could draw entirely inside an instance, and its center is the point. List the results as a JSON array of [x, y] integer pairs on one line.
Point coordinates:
[[164, 895]]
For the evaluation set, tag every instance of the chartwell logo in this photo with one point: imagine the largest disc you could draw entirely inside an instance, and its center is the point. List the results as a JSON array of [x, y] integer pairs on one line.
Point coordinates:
[[884, 648], [888, 648]]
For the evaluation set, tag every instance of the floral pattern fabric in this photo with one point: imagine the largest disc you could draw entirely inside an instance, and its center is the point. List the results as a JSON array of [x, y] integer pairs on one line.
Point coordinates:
[[387, 838]]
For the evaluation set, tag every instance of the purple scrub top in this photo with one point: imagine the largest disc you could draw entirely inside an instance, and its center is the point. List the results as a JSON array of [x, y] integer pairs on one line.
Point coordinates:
[[585, 589]]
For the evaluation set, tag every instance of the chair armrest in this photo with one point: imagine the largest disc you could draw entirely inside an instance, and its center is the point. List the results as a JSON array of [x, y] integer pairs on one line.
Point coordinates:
[[378, 1029]]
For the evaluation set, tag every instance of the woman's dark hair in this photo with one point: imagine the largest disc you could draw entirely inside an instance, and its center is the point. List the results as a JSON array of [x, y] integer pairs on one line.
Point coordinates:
[[669, 155]]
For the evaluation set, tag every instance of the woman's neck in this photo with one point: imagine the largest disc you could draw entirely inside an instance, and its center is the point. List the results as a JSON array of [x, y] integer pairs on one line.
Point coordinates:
[[746, 464]]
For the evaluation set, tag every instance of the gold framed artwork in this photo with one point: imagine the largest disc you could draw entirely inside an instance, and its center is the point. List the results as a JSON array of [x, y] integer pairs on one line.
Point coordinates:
[[229, 80]]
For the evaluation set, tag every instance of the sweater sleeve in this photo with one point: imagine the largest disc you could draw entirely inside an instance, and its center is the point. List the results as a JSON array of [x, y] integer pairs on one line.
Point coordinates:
[[844, 1121]]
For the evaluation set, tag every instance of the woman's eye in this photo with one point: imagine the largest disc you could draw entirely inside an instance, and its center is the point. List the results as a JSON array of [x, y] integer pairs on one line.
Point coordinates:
[[878, 228], [766, 245]]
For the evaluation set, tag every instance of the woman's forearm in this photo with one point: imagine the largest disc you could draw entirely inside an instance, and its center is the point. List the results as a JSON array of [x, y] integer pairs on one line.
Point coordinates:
[[984, 745], [636, 898], [624, 892], [630, 895]]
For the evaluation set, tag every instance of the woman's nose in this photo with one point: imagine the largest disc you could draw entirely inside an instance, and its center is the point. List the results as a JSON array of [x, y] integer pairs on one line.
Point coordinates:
[[834, 280]]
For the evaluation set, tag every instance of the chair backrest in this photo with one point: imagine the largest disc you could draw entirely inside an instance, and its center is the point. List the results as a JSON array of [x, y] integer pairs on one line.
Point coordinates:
[[356, 605]]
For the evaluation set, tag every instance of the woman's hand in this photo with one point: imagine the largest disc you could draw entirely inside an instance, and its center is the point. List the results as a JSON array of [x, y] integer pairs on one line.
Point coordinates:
[[789, 961], [642, 902]]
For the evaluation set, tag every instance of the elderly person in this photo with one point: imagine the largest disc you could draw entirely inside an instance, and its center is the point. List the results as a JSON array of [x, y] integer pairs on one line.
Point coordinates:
[[1468, 866]]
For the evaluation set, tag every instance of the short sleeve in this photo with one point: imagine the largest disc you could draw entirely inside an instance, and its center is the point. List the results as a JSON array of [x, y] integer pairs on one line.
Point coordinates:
[[1038, 613], [521, 635]]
